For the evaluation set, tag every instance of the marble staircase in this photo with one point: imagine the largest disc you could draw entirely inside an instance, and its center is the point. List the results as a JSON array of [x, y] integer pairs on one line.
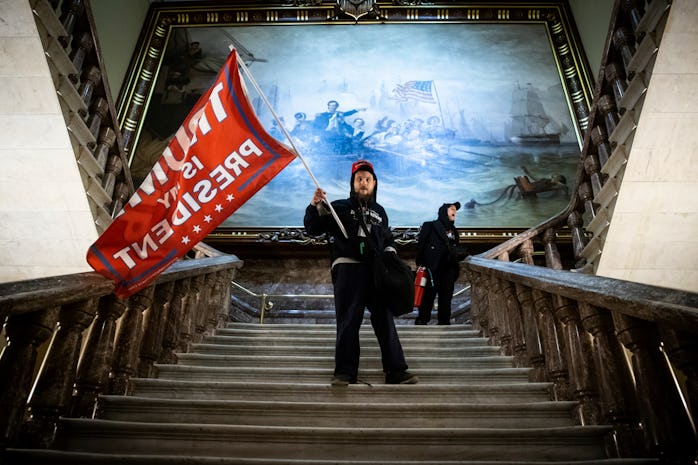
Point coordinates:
[[260, 394]]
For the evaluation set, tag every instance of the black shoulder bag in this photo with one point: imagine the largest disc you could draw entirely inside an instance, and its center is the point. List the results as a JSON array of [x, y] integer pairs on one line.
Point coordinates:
[[393, 278]]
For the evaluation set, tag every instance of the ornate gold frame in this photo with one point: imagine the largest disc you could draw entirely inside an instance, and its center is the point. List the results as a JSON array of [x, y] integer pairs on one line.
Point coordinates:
[[145, 66]]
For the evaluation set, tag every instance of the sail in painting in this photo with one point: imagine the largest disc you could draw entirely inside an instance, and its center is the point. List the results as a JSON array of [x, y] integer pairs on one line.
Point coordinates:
[[530, 125]]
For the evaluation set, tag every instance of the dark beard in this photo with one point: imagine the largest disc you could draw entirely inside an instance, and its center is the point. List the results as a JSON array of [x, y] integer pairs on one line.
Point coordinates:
[[363, 198]]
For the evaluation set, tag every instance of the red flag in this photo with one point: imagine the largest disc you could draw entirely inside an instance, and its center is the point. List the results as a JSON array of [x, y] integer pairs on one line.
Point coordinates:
[[219, 158]]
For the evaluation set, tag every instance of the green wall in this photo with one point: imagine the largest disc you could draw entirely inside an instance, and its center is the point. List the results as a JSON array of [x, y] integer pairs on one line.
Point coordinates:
[[592, 18], [118, 27]]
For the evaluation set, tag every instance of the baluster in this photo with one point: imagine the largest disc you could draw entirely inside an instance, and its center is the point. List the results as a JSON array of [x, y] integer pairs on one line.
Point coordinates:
[[477, 302], [615, 74], [586, 196], [186, 329], [174, 321], [608, 110], [24, 334], [526, 250], [195, 310], [478, 307], [128, 341], [121, 194], [593, 170], [624, 42], [534, 350], [71, 11], [513, 317], [89, 82], [153, 329], [95, 365], [603, 148], [580, 361], [81, 48], [682, 350], [494, 313], [223, 291], [99, 110], [552, 254], [52, 392], [618, 401], [634, 12], [553, 346], [574, 221], [210, 305], [668, 428], [112, 170], [105, 141]]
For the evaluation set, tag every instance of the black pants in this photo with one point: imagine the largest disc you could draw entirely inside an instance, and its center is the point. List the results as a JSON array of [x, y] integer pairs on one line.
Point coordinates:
[[444, 282], [353, 293]]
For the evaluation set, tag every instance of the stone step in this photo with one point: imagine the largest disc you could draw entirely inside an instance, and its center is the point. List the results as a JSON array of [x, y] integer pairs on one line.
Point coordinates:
[[415, 350], [363, 414], [54, 457], [320, 375], [322, 392], [300, 359], [450, 330], [366, 340], [572, 443]]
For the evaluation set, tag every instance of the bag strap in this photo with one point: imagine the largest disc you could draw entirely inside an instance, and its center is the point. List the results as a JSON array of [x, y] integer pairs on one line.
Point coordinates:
[[369, 239]]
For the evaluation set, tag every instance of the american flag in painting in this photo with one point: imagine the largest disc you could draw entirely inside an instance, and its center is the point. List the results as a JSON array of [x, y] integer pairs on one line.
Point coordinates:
[[415, 90]]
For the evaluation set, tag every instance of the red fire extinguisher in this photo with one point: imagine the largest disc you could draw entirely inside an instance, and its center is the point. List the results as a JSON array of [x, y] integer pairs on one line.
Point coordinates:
[[420, 282]]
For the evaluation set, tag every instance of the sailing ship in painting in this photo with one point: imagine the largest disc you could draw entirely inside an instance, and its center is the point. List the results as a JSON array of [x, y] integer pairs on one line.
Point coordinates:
[[530, 124]]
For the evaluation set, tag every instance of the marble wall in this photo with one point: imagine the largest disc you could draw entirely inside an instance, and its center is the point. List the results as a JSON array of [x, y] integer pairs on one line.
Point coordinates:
[[45, 220], [653, 236]]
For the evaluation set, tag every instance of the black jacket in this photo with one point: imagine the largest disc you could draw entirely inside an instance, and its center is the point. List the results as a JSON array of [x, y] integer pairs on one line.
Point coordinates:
[[435, 250], [348, 211]]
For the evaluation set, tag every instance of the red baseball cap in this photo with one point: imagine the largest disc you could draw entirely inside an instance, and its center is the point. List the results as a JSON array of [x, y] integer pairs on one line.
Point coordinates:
[[364, 165]]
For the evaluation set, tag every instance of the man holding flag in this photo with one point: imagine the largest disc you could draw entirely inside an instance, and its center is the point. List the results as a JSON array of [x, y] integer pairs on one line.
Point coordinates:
[[219, 158]]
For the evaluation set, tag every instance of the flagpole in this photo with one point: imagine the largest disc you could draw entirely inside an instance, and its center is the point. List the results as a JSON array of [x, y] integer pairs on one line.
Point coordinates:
[[288, 136]]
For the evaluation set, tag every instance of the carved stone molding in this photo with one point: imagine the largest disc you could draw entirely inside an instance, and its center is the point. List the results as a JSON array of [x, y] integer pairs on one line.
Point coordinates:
[[356, 8]]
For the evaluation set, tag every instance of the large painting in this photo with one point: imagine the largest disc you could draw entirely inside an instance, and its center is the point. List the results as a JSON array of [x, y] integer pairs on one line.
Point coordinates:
[[470, 111]]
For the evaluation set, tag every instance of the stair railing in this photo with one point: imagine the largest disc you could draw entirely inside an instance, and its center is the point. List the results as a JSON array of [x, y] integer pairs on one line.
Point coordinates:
[[74, 57], [626, 352], [266, 305], [70, 339]]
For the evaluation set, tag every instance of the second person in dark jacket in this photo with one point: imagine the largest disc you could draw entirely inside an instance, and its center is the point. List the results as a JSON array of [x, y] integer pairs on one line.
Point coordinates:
[[438, 250]]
